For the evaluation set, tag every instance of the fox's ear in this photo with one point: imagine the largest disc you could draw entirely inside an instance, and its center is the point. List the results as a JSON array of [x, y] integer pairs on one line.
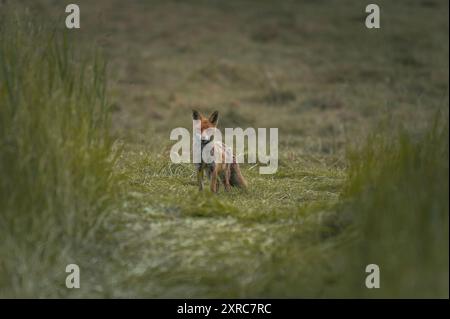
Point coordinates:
[[214, 117], [196, 115]]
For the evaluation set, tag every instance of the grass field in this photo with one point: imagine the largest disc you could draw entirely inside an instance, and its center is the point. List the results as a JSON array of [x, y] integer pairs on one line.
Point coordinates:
[[86, 178]]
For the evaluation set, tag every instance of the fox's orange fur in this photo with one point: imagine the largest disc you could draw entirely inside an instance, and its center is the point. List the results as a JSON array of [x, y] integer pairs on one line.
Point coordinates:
[[228, 173]]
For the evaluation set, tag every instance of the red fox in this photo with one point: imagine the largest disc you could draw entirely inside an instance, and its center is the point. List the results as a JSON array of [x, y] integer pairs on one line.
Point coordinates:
[[228, 173]]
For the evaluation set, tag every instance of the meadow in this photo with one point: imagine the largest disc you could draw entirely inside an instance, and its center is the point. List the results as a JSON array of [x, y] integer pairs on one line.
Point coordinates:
[[86, 178]]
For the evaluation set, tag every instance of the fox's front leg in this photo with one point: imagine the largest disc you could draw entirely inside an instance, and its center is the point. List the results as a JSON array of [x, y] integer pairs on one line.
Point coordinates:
[[227, 177], [200, 177], [214, 180]]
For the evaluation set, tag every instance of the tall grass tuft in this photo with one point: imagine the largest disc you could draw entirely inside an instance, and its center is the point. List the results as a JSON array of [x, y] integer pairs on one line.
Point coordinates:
[[398, 195], [56, 162]]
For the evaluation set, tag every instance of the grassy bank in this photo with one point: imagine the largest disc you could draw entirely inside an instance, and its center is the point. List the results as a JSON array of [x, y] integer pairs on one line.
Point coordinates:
[[398, 195], [55, 155]]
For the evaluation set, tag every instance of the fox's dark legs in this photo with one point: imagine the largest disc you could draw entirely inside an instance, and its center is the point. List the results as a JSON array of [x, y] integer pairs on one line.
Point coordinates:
[[226, 181], [214, 181], [200, 178], [214, 177], [212, 173]]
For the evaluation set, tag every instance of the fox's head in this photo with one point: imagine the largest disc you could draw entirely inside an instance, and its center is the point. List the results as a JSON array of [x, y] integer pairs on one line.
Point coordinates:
[[208, 125]]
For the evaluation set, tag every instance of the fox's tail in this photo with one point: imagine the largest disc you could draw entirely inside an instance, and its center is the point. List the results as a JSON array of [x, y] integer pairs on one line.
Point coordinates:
[[236, 178]]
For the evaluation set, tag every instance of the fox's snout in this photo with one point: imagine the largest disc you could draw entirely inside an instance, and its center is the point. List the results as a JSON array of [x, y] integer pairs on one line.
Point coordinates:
[[204, 138]]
